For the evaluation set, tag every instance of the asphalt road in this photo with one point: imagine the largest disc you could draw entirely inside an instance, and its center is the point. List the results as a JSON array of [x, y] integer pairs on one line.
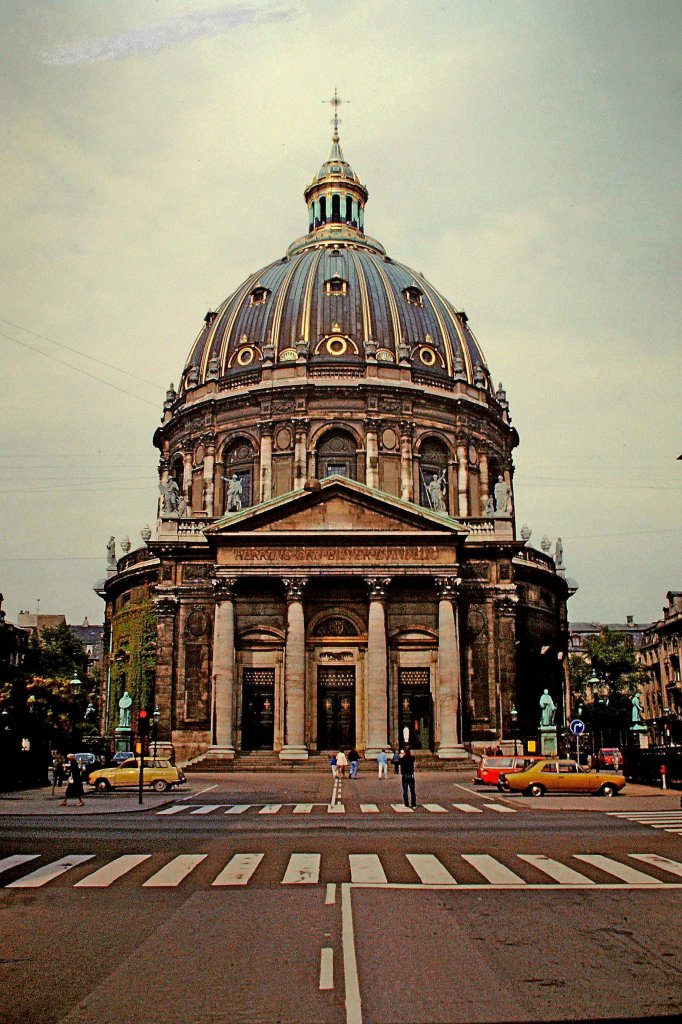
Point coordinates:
[[254, 902]]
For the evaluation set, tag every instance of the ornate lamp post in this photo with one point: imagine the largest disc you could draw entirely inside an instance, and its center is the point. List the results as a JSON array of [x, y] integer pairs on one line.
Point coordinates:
[[513, 714]]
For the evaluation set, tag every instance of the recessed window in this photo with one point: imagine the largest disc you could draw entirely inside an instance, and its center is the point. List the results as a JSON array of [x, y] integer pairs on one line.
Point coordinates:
[[413, 296], [259, 296], [336, 286]]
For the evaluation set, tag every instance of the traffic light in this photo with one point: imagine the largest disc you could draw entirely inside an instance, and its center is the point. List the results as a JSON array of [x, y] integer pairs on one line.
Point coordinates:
[[143, 722]]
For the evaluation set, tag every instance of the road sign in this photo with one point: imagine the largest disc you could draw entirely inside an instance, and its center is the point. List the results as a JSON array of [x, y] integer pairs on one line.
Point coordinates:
[[577, 727]]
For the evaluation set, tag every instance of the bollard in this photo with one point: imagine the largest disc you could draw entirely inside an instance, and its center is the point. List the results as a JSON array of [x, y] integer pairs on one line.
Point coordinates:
[[663, 771]]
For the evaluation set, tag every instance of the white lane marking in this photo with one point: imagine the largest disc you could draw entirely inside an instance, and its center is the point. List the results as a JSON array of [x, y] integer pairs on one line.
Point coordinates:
[[175, 809], [270, 809], [206, 789], [239, 869], [173, 873], [336, 809], [664, 863], [350, 963], [468, 809], [555, 869], [18, 858], [366, 867], [326, 969], [237, 809], [492, 869], [468, 789], [369, 808], [435, 808], [45, 874], [330, 897], [501, 808], [302, 869], [637, 815], [303, 808], [103, 877], [402, 809], [613, 867], [510, 887], [207, 809], [430, 869]]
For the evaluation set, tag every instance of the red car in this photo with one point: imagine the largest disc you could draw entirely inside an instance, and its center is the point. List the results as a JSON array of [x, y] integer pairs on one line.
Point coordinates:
[[609, 757], [491, 767]]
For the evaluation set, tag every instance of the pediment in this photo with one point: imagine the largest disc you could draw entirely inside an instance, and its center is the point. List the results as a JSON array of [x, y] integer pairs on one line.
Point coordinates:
[[337, 505]]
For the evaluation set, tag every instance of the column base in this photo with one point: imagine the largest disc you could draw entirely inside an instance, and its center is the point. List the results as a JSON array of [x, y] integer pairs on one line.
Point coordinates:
[[220, 751], [293, 752], [454, 752], [371, 752]]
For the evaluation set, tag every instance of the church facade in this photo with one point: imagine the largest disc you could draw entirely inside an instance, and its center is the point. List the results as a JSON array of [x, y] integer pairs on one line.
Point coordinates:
[[336, 562]]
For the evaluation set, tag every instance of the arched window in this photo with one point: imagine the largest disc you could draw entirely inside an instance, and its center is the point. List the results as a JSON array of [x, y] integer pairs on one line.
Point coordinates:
[[323, 209], [349, 209], [337, 454], [433, 475], [336, 209], [237, 477]]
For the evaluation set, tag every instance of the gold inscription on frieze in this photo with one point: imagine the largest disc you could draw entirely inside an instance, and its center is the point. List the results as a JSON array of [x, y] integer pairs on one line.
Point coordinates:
[[308, 555]]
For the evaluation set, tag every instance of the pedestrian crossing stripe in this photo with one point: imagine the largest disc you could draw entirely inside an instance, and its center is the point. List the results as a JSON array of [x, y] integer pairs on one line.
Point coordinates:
[[667, 821], [332, 808], [368, 870]]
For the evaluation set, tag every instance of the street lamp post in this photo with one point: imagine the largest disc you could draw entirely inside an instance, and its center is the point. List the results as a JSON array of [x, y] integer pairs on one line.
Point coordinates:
[[513, 713], [157, 716]]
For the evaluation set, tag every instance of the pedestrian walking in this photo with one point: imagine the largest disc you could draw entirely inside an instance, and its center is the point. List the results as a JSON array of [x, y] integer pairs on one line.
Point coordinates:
[[74, 786], [353, 760], [341, 764], [58, 772], [395, 761], [407, 772], [333, 766], [382, 764]]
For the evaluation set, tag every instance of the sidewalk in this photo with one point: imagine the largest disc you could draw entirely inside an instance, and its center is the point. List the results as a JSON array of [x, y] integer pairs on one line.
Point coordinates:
[[39, 802]]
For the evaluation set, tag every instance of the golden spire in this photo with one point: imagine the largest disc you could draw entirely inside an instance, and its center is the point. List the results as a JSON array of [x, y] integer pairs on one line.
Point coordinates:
[[336, 102]]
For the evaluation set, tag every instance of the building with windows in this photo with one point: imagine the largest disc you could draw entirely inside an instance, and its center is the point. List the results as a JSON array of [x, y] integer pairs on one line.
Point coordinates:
[[659, 656], [335, 562]]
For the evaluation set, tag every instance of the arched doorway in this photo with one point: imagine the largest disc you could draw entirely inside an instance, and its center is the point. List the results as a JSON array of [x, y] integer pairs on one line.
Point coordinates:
[[337, 454]]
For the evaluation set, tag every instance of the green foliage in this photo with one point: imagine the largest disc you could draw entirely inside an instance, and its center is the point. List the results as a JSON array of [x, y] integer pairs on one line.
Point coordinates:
[[134, 656], [58, 654], [611, 653]]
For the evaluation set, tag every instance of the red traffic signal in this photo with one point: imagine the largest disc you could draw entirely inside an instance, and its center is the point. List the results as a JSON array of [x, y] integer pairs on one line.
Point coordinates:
[[143, 722]]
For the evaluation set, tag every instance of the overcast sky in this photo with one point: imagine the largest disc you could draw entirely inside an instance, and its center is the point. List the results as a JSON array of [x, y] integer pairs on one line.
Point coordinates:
[[524, 156]]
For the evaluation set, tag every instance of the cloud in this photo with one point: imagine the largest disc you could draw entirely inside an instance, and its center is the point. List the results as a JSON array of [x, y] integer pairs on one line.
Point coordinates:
[[195, 25]]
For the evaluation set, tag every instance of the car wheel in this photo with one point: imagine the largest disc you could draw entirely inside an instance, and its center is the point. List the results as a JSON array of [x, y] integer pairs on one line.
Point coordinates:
[[535, 789], [160, 786], [103, 785], [608, 790], [503, 788]]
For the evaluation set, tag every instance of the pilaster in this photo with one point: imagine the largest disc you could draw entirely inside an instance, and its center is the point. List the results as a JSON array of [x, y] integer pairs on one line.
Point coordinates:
[[294, 748], [377, 667], [449, 669]]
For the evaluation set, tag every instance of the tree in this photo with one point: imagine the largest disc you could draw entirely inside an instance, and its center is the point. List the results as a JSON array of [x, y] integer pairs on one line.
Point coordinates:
[[611, 656], [58, 654]]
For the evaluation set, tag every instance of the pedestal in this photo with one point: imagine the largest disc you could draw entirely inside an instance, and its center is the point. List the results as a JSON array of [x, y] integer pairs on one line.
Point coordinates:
[[123, 738], [548, 741], [639, 736]]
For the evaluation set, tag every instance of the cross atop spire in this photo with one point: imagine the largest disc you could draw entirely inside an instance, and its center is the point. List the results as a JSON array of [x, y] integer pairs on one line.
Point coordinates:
[[336, 102]]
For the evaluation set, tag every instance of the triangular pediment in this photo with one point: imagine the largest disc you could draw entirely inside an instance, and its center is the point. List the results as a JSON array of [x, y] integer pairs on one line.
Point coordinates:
[[336, 505]]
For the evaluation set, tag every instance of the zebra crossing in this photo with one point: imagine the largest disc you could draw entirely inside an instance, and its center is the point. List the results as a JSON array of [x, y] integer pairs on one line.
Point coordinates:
[[669, 821], [329, 808], [412, 870]]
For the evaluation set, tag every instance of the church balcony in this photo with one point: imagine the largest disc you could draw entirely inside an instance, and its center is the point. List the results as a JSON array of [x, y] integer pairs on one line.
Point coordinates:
[[135, 558], [173, 528], [486, 529]]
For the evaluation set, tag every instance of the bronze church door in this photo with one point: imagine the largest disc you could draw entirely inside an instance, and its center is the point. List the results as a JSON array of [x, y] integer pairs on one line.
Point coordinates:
[[415, 708], [335, 707], [258, 709]]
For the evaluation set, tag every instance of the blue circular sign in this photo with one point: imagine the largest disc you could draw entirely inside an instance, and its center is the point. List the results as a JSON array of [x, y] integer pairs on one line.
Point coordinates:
[[577, 727]]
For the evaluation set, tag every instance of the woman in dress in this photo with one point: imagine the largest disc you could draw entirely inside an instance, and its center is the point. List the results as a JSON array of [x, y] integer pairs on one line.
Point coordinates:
[[75, 784]]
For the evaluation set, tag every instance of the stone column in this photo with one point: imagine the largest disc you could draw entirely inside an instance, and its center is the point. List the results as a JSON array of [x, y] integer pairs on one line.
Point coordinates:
[[187, 477], [406, 485], [506, 601], [266, 463], [294, 748], [209, 462], [377, 667], [462, 480], [222, 669], [300, 454], [484, 481], [449, 671], [372, 454], [165, 606]]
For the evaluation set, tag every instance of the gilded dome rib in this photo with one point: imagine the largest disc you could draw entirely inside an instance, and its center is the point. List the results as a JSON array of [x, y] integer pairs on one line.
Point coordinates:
[[308, 294], [237, 300], [447, 340], [463, 340], [281, 298], [390, 297], [364, 296]]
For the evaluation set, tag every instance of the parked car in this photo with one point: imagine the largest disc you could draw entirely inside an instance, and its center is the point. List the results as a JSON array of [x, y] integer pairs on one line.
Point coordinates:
[[87, 762], [490, 767], [120, 756], [610, 758], [158, 774], [561, 776]]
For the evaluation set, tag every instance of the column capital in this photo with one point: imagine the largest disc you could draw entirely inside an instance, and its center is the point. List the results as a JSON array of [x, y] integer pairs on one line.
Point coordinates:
[[294, 586], [165, 604], [373, 424], [300, 424], [447, 587], [406, 428], [208, 439], [266, 428], [506, 602], [224, 588], [377, 587]]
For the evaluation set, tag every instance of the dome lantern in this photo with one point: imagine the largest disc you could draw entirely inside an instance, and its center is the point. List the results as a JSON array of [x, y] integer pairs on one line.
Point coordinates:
[[336, 196]]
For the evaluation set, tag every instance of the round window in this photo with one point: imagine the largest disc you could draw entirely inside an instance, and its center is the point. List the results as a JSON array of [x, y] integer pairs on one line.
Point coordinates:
[[427, 356], [337, 346], [245, 356]]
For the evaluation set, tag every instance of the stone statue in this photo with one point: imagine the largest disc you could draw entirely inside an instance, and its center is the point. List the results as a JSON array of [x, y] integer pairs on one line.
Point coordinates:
[[545, 544], [636, 710], [169, 492], [111, 553], [502, 496], [558, 553], [489, 506], [124, 706], [436, 491], [233, 502], [547, 709]]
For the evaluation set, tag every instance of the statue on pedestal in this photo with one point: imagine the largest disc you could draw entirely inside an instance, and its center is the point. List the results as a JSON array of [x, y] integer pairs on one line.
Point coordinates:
[[111, 553], [636, 710], [559, 553], [436, 491], [124, 706], [233, 502], [547, 709], [502, 496]]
